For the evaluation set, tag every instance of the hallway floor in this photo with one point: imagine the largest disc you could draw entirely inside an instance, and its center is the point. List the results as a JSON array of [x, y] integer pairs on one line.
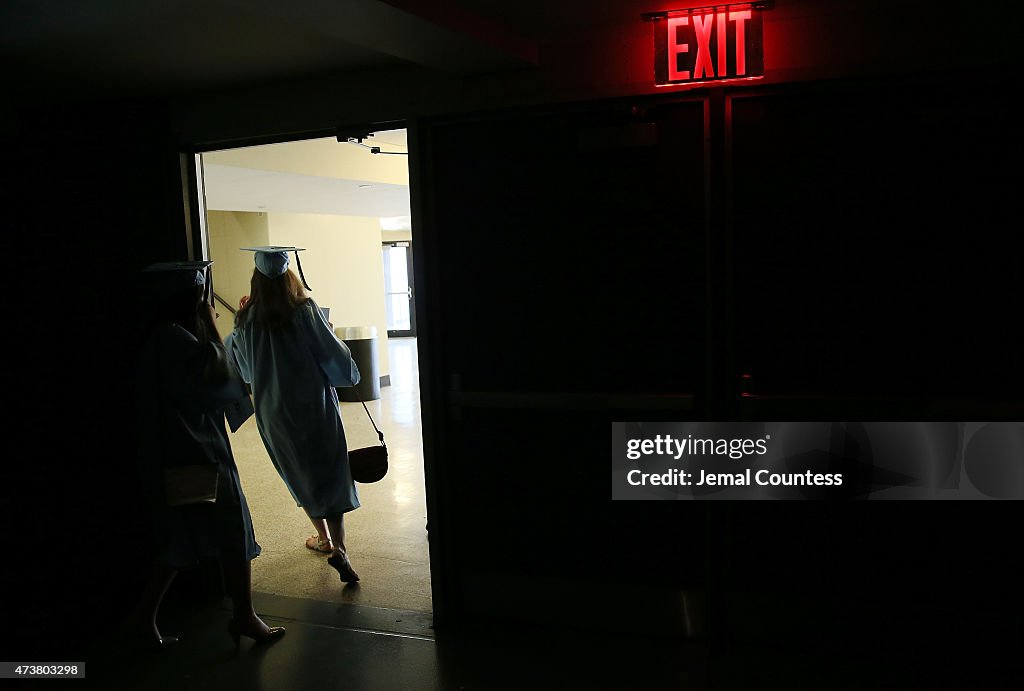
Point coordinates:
[[386, 537], [358, 648], [379, 636], [365, 649]]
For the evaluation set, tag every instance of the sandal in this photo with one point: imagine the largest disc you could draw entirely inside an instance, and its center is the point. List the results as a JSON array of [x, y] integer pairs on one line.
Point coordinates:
[[339, 560], [315, 543]]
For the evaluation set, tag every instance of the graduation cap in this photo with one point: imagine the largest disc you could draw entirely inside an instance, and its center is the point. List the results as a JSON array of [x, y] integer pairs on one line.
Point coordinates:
[[165, 279], [272, 260]]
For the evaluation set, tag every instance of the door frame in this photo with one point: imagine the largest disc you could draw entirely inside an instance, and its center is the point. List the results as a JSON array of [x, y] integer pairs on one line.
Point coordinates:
[[439, 546]]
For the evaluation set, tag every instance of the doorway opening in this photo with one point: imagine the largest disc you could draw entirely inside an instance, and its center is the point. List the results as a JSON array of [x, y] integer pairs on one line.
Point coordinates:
[[341, 201]]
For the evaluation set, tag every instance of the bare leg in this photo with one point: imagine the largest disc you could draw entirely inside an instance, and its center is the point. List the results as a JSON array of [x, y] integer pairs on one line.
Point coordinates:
[[339, 558], [238, 582], [322, 532], [142, 620], [321, 528], [336, 526]]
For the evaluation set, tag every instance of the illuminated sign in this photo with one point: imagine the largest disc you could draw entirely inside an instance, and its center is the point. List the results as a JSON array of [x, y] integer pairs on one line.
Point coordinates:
[[708, 44]]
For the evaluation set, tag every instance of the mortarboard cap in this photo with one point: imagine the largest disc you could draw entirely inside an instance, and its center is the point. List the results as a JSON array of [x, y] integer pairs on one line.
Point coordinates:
[[272, 260], [165, 279]]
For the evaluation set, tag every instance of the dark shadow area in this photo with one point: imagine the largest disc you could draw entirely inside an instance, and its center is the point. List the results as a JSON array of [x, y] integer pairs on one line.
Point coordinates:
[[872, 239], [626, 260]]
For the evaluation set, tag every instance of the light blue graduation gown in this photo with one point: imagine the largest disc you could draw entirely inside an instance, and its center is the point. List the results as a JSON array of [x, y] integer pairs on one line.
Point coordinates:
[[293, 370]]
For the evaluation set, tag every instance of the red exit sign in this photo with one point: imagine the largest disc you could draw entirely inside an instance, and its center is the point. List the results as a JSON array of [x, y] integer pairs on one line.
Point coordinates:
[[708, 44]]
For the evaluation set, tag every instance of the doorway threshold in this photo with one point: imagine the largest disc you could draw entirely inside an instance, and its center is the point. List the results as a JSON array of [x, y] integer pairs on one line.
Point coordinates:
[[379, 620]]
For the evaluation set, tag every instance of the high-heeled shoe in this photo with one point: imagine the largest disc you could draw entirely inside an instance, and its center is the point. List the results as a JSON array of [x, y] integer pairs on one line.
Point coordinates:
[[339, 560], [259, 638]]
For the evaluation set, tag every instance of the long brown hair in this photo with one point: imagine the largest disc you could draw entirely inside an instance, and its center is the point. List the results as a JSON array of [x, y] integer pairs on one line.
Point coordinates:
[[272, 301]]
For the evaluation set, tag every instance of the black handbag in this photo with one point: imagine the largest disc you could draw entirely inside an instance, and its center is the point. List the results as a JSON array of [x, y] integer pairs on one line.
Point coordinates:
[[190, 484], [370, 463]]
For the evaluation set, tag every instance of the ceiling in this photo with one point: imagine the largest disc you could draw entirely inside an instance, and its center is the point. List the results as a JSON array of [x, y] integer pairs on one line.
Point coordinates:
[[237, 188], [51, 47], [60, 50]]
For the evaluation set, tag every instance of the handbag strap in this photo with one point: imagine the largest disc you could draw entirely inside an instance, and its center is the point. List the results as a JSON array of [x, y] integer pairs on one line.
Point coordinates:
[[380, 435]]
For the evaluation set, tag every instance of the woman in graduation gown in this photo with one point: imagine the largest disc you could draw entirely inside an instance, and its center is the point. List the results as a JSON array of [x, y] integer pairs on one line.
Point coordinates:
[[184, 386], [286, 349]]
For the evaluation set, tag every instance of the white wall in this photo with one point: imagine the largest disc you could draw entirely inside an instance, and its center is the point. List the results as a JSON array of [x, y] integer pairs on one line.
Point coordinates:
[[395, 236], [344, 266]]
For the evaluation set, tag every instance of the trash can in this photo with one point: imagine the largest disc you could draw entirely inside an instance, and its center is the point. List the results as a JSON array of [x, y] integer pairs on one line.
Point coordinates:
[[362, 341]]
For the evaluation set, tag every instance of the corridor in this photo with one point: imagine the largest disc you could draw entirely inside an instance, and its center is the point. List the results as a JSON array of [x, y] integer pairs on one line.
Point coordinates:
[[386, 537]]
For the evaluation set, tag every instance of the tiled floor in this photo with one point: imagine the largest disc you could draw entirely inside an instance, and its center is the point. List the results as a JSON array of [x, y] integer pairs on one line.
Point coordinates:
[[386, 536]]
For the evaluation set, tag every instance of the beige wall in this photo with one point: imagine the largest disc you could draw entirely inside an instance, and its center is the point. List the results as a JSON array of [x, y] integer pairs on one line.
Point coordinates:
[[344, 266], [232, 268]]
